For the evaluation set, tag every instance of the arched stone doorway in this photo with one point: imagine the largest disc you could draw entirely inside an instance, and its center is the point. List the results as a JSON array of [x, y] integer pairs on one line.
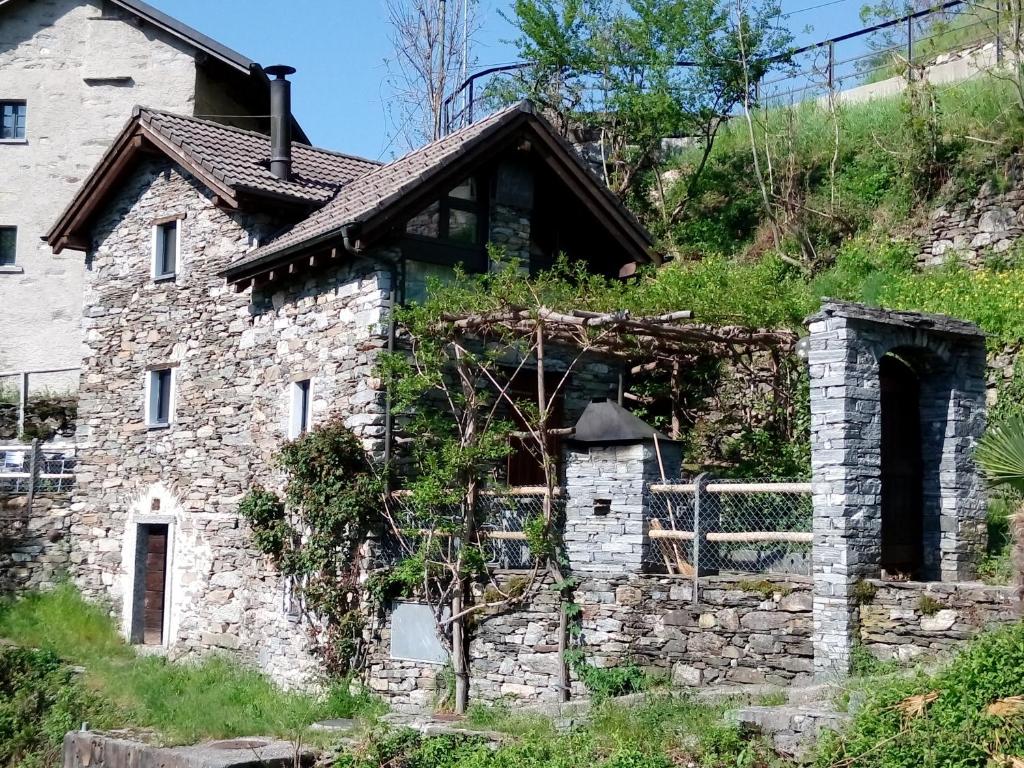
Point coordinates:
[[902, 470]]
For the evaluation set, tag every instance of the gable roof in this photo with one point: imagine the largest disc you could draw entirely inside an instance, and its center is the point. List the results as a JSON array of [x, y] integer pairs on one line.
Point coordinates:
[[383, 196], [232, 162]]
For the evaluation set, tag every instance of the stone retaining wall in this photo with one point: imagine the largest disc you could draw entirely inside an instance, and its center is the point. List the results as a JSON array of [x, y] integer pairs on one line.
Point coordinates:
[[744, 630], [908, 619], [35, 551]]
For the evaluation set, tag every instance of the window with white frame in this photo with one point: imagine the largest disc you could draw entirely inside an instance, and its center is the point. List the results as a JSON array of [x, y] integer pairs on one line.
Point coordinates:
[[301, 408], [166, 247], [159, 397]]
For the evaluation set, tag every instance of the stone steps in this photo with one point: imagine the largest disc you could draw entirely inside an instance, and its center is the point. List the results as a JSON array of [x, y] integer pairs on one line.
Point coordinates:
[[793, 728]]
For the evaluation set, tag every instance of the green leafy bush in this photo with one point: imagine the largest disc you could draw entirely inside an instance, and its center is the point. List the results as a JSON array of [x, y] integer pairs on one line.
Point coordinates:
[[952, 728], [40, 700]]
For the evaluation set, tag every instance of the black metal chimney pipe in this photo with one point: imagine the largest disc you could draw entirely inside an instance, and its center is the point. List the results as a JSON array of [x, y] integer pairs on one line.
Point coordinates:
[[280, 121]]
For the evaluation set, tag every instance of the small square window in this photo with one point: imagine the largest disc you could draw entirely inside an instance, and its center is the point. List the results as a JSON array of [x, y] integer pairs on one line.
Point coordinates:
[[160, 397], [8, 246], [165, 250], [13, 116], [302, 405]]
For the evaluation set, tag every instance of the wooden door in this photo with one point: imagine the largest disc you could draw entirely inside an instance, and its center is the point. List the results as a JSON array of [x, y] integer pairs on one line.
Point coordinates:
[[154, 581], [902, 471]]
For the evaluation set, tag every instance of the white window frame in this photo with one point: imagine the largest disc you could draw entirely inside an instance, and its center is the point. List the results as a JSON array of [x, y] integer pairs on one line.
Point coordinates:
[[155, 248], [297, 413], [148, 404]]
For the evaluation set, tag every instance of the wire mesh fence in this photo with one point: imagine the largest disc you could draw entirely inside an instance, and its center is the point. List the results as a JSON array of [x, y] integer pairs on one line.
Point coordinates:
[[729, 526], [501, 518]]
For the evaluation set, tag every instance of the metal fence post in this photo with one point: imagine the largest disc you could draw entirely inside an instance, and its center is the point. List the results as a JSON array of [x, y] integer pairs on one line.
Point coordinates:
[[910, 48], [33, 473], [23, 404], [699, 486], [831, 65], [999, 37]]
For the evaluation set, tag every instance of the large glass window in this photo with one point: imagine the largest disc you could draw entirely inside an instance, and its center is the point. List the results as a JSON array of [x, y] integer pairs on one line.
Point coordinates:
[[455, 218], [13, 117]]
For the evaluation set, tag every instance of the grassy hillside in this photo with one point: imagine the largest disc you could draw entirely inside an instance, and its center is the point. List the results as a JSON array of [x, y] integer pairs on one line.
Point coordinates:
[[43, 695]]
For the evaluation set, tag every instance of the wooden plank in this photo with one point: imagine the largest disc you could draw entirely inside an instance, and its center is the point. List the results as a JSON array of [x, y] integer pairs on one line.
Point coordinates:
[[726, 489], [671, 535]]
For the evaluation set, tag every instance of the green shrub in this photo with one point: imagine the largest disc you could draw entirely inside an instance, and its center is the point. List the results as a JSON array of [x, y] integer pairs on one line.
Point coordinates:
[[955, 728], [40, 701], [928, 605]]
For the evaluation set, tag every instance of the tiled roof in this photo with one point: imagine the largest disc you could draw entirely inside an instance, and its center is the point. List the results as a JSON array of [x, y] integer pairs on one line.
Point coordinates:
[[371, 192], [240, 159]]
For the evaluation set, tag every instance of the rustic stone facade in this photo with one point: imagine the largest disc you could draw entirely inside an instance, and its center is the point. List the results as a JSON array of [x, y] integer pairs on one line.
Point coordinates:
[[742, 631], [904, 620], [35, 548], [847, 344]]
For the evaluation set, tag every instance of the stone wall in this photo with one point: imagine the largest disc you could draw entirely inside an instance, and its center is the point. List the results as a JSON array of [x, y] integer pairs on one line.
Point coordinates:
[[234, 357], [744, 630], [980, 228], [35, 548], [904, 620]]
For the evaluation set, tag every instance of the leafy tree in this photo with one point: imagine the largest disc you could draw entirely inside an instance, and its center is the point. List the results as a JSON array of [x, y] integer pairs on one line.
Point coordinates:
[[630, 73]]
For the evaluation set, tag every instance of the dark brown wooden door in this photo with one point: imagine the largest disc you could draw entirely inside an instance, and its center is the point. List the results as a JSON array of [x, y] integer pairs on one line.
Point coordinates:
[[154, 585], [524, 466], [902, 475]]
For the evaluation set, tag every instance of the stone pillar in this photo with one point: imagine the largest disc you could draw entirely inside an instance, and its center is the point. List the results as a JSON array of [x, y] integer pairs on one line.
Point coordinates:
[[846, 464], [607, 503], [846, 345]]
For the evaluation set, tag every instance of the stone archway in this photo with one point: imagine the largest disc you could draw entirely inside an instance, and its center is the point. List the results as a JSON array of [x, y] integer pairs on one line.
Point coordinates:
[[877, 378]]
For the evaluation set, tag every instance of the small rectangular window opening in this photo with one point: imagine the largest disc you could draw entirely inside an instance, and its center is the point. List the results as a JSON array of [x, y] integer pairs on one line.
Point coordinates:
[[13, 119], [160, 397], [165, 250], [301, 409], [8, 246], [602, 507]]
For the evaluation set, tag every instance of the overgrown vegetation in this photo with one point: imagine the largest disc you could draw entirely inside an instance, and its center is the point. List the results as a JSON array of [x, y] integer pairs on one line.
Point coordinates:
[[966, 715], [660, 732], [43, 697], [332, 498]]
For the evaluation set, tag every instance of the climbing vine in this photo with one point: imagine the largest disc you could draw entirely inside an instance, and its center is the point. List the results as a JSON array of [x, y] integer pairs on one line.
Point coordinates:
[[331, 500]]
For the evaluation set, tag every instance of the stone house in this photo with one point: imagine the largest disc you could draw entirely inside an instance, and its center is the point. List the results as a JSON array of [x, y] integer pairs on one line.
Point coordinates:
[[237, 291], [71, 72]]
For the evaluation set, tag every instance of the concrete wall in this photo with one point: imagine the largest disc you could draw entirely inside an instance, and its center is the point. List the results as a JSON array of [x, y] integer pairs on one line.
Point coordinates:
[[81, 75]]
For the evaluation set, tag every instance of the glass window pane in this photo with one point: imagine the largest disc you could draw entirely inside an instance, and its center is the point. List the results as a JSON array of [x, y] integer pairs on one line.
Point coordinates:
[[462, 227], [464, 191], [12, 120], [419, 274], [167, 249], [427, 223], [8, 244]]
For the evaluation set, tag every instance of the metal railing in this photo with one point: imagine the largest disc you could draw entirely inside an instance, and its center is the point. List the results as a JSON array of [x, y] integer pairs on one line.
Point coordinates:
[[839, 63], [22, 384], [30, 469], [706, 527]]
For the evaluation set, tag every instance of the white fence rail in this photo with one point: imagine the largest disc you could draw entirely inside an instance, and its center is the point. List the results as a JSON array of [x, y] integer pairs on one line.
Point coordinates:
[[30, 469]]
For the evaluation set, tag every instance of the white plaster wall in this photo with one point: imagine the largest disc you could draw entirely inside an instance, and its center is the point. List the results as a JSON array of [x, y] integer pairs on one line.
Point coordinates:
[[47, 50]]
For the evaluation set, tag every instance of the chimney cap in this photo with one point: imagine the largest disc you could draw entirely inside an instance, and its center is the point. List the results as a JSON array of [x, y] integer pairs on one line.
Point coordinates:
[[605, 422], [280, 71]]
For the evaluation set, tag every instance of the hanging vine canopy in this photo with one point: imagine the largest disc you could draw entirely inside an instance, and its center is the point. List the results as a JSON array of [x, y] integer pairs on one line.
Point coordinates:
[[679, 311]]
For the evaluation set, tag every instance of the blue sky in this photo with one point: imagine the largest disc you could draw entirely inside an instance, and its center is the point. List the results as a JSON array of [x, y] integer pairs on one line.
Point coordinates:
[[340, 47]]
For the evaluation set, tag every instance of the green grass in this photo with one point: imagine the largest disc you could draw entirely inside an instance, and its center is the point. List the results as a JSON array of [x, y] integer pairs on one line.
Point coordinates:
[[184, 702], [996, 567], [953, 727], [662, 731]]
